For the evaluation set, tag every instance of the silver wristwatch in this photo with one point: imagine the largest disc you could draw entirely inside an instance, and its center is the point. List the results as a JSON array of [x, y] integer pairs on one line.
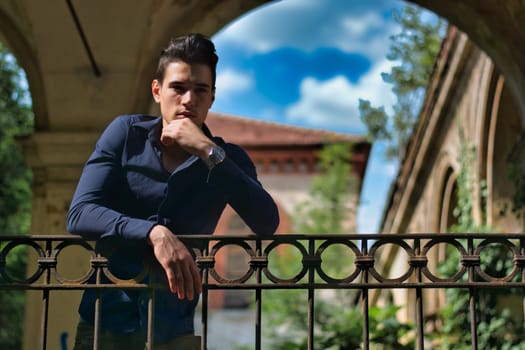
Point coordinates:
[[216, 156]]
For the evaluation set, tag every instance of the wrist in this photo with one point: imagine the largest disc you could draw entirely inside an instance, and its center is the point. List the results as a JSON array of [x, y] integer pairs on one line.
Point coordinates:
[[215, 156], [148, 236], [155, 234]]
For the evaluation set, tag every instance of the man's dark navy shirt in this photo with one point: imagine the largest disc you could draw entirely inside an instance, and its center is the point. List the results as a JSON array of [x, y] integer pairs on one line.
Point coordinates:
[[124, 191]]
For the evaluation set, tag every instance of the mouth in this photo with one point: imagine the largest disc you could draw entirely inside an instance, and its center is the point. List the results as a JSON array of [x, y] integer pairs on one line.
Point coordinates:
[[186, 114]]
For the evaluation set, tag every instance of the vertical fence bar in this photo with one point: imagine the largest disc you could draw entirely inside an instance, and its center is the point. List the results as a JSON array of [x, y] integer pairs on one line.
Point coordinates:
[[150, 342], [522, 268], [419, 319], [258, 318], [311, 295], [364, 298], [419, 298], [45, 314], [473, 318], [522, 254], [98, 301], [258, 297], [311, 318], [472, 298], [204, 303], [45, 298]]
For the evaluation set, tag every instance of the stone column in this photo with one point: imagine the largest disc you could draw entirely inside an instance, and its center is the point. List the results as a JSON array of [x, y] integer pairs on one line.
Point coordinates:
[[56, 160]]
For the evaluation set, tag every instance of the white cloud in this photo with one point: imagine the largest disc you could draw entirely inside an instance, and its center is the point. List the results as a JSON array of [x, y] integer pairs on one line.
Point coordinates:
[[360, 27], [367, 34], [309, 24], [326, 104], [231, 81], [334, 103], [351, 26]]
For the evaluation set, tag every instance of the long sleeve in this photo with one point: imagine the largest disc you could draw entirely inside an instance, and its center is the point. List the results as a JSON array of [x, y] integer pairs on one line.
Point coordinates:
[[94, 209], [238, 181]]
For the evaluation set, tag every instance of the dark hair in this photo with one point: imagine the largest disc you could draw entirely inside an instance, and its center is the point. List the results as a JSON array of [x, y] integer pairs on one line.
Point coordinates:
[[191, 48]]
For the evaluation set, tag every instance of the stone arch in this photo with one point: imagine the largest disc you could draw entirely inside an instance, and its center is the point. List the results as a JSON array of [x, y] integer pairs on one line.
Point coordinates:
[[449, 200], [506, 128], [487, 136], [481, 106], [18, 43], [497, 40], [441, 196], [443, 203], [483, 26]]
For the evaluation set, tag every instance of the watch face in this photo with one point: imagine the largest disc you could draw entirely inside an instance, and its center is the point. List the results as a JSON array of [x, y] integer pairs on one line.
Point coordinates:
[[216, 156]]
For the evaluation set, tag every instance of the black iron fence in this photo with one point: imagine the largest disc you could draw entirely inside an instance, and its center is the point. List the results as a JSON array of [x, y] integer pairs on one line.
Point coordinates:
[[367, 268]]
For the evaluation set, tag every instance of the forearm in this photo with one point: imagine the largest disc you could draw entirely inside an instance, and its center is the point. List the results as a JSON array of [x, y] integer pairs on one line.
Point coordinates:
[[246, 195], [94, 221]]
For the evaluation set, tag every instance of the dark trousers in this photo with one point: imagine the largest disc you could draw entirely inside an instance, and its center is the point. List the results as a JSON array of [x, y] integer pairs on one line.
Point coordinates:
[[133, 341]]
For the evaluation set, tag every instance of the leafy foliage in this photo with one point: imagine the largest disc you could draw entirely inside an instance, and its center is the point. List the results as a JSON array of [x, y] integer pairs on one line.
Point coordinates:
[[12, 303], [330, 205], [498, 327], [388, 331], [16, 119], [516, 174], [415, 48]]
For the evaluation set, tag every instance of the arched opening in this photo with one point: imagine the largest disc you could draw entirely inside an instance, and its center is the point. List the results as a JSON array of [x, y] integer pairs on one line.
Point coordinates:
[[449, 202], [16, 120], [505, 147], [486, 151], [43, 116], [17, 43]]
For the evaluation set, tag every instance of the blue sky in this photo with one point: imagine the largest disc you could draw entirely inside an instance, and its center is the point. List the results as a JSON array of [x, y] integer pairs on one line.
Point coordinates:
[[307, 63]]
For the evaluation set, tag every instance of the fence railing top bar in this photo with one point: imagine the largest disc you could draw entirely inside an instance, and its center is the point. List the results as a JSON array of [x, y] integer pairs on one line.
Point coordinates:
[[295, 236]]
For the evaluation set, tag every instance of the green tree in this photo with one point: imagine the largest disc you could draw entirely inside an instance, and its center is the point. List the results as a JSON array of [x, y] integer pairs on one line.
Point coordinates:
[[330, 205], [328, 209], [16, 119], [415, 50]]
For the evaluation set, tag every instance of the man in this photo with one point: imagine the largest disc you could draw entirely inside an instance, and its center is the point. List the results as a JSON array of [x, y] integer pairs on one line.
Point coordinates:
[[151, 179]]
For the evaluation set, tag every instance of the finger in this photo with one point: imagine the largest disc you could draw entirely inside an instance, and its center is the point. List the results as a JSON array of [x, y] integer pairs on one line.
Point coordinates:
[[171, 280], [188, 282], [197, 282], [166, 140], [179, 282]]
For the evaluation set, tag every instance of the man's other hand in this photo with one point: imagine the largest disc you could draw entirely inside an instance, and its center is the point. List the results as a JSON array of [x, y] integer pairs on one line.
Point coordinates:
[[182, 273]]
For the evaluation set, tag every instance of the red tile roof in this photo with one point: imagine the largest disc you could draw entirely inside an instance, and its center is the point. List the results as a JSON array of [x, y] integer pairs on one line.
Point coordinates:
[[251, 132]]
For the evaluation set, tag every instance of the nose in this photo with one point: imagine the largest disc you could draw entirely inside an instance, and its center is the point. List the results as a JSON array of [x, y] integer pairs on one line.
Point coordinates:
[[187, 98]]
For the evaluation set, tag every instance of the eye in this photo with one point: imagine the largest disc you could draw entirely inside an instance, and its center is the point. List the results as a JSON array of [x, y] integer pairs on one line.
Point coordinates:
[[179, 89], [201, 90]]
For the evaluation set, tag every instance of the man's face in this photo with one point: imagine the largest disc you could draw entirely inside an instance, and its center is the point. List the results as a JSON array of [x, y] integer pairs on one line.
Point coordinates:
[[186, 92]]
